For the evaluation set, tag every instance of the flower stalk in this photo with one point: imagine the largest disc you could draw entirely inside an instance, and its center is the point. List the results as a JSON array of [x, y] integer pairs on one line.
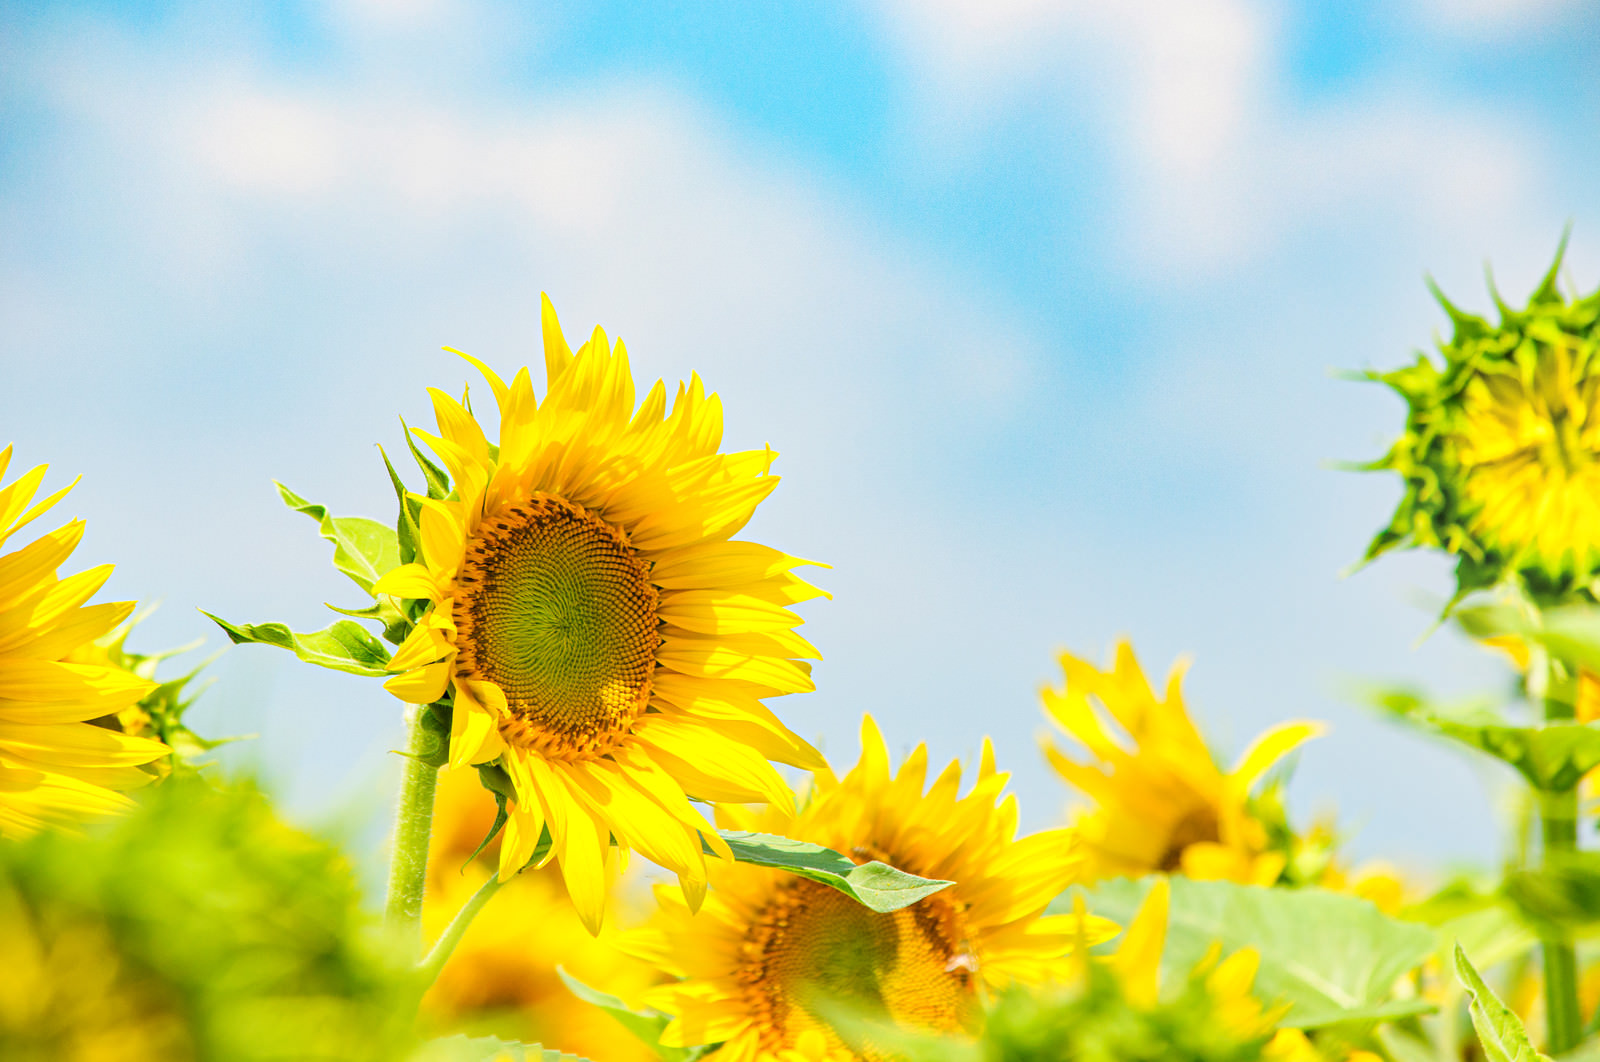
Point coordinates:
[[413, 823], [429, 967], [1558, 820]]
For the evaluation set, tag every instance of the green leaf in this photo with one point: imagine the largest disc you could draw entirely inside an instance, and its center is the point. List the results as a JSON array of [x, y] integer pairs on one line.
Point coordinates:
[[362, 549], [1333, 958], [345, 646], [486, 1049], [875, 885], [647, 1025], [1499, 1029], [395, 625], [1552, 757]]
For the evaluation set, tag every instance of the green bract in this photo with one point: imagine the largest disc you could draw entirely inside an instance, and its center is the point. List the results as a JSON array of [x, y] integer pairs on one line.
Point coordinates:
[[1501, 450]]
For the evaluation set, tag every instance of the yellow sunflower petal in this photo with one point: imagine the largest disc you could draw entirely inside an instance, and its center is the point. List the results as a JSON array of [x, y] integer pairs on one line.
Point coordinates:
[[410, 581], [422, 685], [1138, 958], [1271, 747]]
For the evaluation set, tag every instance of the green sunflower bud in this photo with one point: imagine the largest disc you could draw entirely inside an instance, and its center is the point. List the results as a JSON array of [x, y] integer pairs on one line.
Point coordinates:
[[1501, 450]]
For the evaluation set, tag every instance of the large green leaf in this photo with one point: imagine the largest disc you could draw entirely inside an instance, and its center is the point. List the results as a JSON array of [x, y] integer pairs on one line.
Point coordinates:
[[1331, 957], [363, 549], [345, 646], [486, 1049], [647, 1025], [874, 885], [1553, 757], [1499, 1029]]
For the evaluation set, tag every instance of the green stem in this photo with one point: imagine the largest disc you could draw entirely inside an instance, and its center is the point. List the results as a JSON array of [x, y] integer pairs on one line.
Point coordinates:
[[1558, 813], [429, 967], [413, 821]]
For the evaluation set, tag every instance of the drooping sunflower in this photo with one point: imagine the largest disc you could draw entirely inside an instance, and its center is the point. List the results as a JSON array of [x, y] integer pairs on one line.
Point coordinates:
[[1161, 802], [502, 978], [597, 630], [770, 953], [1501, 452], [56, 768]]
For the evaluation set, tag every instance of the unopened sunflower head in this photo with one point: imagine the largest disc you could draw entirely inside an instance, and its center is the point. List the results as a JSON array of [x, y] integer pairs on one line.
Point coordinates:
[[1160, 802], [773, 958], [1501, 451], [56, 767], [586, 620]]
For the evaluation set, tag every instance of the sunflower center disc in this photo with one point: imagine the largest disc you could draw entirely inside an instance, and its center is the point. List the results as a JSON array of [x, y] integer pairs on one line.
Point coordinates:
[[813, 948], [558, 611]]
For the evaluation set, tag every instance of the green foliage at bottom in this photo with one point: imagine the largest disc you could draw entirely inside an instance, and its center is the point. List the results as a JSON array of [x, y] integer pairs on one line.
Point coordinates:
[[1095, 1022], [1099, 1025], [198, 928]]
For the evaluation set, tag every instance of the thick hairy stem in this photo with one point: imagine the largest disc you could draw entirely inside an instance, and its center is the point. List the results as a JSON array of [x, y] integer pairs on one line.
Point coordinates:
[[413, 821]]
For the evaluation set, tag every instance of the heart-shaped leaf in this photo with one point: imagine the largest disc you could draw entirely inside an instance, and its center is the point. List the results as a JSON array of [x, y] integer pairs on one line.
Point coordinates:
[[1331, 957]]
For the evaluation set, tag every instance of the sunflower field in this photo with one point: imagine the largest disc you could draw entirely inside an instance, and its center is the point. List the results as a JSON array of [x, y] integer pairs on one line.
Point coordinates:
[[593, 663]]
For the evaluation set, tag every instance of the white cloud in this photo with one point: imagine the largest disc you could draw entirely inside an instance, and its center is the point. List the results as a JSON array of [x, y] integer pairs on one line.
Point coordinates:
[[1482, 18], [1215, 167], [264, 143]]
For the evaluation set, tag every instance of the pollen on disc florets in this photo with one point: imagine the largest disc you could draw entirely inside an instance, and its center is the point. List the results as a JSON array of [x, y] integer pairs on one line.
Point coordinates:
[[556, 608], [1501, 452], [811, 952]]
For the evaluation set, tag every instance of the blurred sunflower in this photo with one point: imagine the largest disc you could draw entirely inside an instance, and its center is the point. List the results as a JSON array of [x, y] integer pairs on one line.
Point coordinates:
[[601, 637], [200, 928], [771, 953], [1501, 452], [1161, 802], [56, 769], [502, 979]]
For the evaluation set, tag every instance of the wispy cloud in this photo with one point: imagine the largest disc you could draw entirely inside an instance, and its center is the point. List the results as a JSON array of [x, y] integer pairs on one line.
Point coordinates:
[[1217, 164]]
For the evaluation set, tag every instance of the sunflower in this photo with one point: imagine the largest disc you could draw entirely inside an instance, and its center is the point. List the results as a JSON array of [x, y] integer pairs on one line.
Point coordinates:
[[1161, 801], [600, 635], [56, 769], [1501, 452], [502, 976], [772, 954]]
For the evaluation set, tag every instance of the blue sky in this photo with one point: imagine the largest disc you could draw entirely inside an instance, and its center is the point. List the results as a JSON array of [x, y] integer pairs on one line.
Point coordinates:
[[1037, 300]]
